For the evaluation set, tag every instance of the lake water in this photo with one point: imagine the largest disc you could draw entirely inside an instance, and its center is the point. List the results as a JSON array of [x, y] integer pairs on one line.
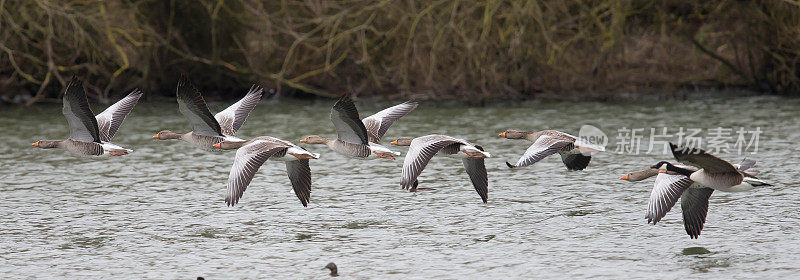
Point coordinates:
[[159, 213]]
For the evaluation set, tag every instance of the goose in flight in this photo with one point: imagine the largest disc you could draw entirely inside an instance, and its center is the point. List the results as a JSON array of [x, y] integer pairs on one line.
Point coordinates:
[[89, 134], [670, 186], [251, 154], [712, 171], [361, 138], [422, 149], [208, 130], [574, 152]]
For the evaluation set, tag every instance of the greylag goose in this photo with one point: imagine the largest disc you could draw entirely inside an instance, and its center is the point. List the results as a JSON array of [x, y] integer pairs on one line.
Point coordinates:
[[669, 186], [422, 149], [361, 138], [251, 154], [208, 130], [89, 134], [574, 153], [714, 172]]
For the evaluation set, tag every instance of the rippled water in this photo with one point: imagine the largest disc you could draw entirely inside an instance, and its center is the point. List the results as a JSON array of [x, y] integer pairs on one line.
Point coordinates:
[[159, 213]]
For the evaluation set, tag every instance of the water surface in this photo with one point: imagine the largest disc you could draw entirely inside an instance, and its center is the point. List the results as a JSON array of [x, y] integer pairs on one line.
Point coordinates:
[[159, 213]]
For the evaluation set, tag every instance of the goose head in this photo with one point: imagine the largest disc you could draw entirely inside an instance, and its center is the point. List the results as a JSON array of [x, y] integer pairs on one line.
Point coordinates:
[[332, 267], [512, 134], [45, 144], [229, 145], [314, 139], [661, 165], [639, 175], [402, 141], [166, 134]]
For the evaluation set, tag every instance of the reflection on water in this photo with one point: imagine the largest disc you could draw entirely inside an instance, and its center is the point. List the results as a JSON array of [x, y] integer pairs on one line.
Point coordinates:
[[159, 212], [695, 251]]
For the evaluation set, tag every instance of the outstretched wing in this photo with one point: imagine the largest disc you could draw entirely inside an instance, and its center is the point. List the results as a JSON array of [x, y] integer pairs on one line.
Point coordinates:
[[248, 160], [667, 189], [745, 164], [194, 108], [694, 203], [575, 159], [111, 118], [420, 152], [232, 118], [379, 123], [543, 147], [300, 176], [349, 127], [477, 174], [82, 124], [700, 158]]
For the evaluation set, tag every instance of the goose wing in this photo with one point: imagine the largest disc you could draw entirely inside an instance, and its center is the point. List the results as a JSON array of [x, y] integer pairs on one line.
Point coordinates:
[[349, 127], [82, 124], [574, 159], [745, 164], [420, 152], [248, 160], [232, 118], [700, 158], [379, 123], [300, 176], [667, 189], [194, 108], [477, 174], [111, 118], [694, 203], [543, 147]]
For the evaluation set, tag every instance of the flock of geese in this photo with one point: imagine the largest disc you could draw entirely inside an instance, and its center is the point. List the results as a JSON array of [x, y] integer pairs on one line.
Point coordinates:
[[692, 180]]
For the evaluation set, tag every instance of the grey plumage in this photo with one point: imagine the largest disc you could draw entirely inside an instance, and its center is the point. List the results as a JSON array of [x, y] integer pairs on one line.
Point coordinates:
[[82, 123], [476, 170], [349, 127], [422, 149], [300, 176], [233, 117], [666, 192], [694, 203], [112, 117], [192, 105], [378, 123], [549, 142], [252, 154], [86, 136], [248, 160], [350, 149]]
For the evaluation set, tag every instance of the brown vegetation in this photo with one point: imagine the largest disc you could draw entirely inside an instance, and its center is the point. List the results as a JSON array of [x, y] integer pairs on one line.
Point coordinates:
[[426, 49]]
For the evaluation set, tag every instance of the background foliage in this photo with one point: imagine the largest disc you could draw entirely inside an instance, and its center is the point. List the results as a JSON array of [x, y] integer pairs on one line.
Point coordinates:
[[466, 49]]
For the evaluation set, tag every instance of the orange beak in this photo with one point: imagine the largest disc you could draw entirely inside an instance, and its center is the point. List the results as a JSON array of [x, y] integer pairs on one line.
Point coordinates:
[[305, 140], [394, 142], [662, 171], [216, 145], [35, 144], [155, 136], [624, 177], [502, 134]]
